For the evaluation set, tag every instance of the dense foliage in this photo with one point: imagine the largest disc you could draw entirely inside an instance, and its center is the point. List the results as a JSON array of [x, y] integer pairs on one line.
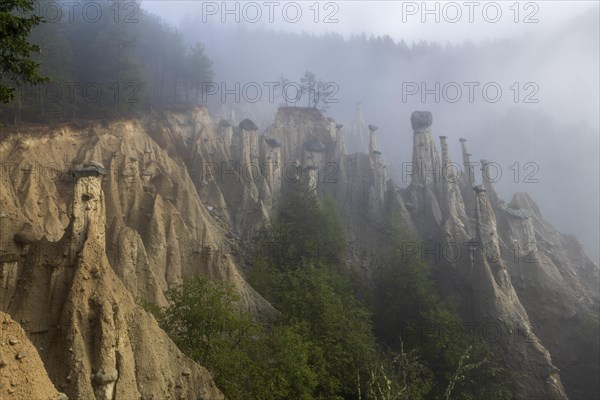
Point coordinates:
[[16, 66], [104, 59], [410, 313], [326, 343]]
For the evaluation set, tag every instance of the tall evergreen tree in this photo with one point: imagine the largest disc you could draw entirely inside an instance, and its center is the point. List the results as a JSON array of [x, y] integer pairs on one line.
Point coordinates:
[[16, 66]]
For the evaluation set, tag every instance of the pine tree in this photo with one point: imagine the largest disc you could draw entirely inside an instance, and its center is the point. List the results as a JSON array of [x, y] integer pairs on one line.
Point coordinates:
[[16, 66]]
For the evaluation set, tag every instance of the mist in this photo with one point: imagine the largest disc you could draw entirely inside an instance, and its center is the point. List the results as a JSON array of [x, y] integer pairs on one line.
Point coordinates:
[[254, 197], [542, 130]]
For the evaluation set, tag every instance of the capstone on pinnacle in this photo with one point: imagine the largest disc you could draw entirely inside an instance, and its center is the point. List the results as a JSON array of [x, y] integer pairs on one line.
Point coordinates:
[[248, 125], [421, 119], [89, 168]]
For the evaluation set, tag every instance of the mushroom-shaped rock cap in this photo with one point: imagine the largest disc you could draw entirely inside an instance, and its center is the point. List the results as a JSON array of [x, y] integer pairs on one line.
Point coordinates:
[[224, 123], [92, 164], [443, 137], [372, 128], [89, 168], [339, 126], [376, 152], [421, 119], [478, 189], [314, 146], [248, 125], [273, 142], [462, 140]]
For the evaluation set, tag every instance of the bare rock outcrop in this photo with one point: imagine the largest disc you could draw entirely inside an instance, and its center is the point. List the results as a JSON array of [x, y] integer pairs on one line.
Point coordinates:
[[516, 271], [497, 303], [543, 263], [97, 343], [424, 191], [456, 227], [162, 225]]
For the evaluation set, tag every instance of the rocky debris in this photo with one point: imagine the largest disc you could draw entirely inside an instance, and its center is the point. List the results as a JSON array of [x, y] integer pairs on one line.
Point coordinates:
[[248, 125], [22, 373], [421, 120]]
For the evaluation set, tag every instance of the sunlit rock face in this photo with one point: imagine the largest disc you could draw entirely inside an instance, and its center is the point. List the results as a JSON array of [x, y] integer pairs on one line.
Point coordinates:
[[94, 337]]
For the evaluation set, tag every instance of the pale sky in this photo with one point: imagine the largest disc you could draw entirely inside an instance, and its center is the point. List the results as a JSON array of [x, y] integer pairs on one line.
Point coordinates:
[[457, 20]]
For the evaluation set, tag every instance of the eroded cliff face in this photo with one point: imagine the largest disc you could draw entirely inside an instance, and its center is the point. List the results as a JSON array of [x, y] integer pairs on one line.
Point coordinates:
[[510, 267], [95, 341], [184, 194], [160, 225], [558, 285], [77, 252], [496, 302]]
